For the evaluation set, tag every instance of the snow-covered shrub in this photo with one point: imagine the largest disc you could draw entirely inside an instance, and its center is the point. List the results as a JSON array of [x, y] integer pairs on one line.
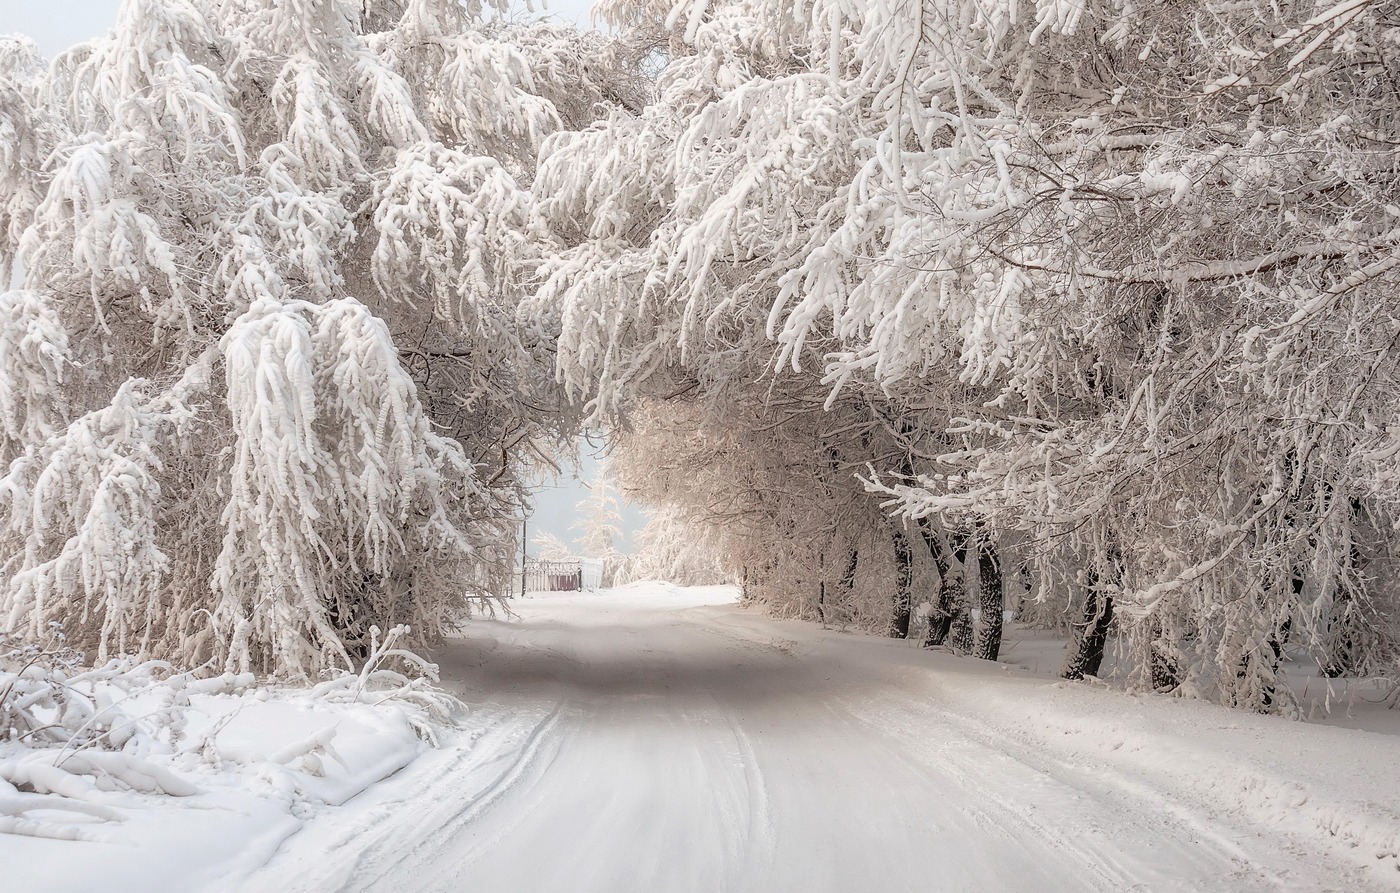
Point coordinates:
[[69, 733], [51, 699], [28, 684], [429, 708]]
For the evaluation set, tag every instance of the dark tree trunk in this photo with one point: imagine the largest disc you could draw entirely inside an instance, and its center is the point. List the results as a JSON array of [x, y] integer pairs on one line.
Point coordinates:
[[990, 597], [952, 605], [1165, 673], [1268, 693], [1027, 587], [1341, 657], [1162, 665], [1344, 655], [848, 576], [952, 591], [1087, 657], [903, 586], [963, 634], [1273, 657]]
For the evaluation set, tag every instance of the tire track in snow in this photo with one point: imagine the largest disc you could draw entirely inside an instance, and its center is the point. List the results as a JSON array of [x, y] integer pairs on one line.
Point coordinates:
[[976, 754], [1121, 806], [532, 760], [971, 766], [700, 749], [1002, 821], [378, 833]]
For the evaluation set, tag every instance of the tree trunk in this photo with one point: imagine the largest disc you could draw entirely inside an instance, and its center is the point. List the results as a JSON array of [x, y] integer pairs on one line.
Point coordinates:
[[1343, 656], [848, 576], [903, 587], [962, 635], [348, 614], [1087, 658], [1165, 673], [990, 597], [952, 590], [1267, 677], [1268, 688], [1162, 665]]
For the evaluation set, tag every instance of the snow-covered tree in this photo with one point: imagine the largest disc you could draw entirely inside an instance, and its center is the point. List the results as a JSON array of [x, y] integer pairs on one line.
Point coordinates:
[[549, 547], [1173, 271], [599, 526], [886, 301], [1124, 279], [264, 384], [668, 548]]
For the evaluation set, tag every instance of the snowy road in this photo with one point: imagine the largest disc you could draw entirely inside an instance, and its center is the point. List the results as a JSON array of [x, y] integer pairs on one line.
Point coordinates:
[[655, 740]]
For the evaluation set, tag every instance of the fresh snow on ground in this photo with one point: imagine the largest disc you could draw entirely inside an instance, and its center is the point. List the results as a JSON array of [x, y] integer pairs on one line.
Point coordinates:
[[653, 738], [171, 784]]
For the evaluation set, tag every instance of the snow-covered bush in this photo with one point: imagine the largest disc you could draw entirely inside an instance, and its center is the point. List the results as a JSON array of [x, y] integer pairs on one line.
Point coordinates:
[[430, 708], [73, 731]]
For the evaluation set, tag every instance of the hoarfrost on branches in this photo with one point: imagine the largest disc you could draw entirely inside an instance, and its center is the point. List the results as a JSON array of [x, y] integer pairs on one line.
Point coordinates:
[[263, 386], [1114, 288]]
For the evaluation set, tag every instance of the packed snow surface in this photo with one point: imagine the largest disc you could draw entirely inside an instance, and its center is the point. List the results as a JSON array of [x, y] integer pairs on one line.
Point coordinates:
[[662, 739], [658, 739]]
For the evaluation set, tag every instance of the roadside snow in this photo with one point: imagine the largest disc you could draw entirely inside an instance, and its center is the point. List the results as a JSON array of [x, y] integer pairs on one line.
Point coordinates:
[[132, 779]]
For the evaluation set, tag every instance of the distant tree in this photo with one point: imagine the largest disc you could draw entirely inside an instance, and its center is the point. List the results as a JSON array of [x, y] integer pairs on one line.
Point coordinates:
[[549, 547], [599, 527], [670, 548]]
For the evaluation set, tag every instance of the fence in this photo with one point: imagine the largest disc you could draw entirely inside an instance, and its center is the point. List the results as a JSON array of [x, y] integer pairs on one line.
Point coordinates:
[[562, 576]]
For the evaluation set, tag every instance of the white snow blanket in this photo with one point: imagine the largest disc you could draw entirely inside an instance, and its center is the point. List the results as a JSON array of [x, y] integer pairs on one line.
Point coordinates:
[[125, 777], [660, 739]]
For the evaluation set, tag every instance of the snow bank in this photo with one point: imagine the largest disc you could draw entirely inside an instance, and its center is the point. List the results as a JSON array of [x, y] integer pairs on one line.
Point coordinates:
[[154, 780], [1308, 782], [1309, 785]]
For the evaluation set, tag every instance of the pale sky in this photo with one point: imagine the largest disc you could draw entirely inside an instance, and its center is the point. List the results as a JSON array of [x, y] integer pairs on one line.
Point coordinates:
[[56, 25], [557, 501]]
